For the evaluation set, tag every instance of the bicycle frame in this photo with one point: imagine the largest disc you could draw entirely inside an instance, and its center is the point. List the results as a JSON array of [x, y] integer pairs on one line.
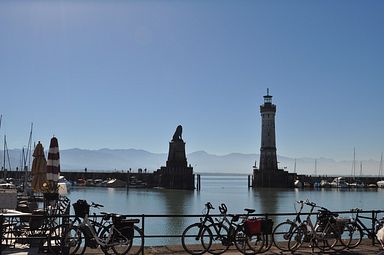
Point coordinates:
[[370, 232], [86, 223], [328, 232]]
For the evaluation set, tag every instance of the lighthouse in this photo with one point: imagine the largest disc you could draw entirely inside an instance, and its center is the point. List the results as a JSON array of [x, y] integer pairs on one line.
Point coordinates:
[[268, 159], [268, 174]]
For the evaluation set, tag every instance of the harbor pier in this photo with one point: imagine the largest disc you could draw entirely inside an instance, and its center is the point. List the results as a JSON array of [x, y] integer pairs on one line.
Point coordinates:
[[313, 180]]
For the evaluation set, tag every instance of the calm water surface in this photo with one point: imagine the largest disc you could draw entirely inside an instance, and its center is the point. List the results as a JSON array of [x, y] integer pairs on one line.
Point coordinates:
[[231, 190]]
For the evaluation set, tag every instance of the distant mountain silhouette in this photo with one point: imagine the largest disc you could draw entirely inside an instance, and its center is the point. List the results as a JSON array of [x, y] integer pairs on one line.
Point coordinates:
[[201, 161]]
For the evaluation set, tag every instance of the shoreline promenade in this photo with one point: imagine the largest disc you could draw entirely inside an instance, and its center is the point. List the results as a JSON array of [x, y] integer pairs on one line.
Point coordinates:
[[365, 248]]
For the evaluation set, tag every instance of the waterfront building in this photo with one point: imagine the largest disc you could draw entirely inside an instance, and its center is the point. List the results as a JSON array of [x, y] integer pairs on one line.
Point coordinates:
[[268, 174]]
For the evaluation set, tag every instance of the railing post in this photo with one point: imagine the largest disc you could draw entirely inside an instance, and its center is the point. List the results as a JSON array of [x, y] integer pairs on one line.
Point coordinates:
[[1, 232], [143, 230], [373, 227]]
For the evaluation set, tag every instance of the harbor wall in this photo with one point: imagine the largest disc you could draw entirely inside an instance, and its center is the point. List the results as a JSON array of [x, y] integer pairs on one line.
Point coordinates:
[[311, 179]]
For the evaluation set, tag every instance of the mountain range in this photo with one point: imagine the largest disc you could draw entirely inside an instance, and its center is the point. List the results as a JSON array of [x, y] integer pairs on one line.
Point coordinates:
[[201, 161]]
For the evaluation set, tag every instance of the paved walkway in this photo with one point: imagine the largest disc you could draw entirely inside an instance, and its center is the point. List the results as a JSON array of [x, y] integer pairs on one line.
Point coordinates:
[[366, 248]]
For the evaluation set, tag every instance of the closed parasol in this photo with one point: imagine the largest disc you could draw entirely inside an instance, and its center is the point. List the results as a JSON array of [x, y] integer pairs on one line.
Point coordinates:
[[53, 163], [39, 168]]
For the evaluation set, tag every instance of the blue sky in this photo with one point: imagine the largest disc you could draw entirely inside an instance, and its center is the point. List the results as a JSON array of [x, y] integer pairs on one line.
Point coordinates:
[[124, 74]]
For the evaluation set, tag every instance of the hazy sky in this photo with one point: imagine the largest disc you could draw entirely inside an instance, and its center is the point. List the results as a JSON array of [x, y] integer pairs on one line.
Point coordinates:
[[124, 74]]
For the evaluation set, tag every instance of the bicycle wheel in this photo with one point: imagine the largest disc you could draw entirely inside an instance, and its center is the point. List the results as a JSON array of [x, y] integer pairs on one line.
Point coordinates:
[[219, 243], [356, 234], [137, 241], [256, 243], [118, 243], [334, 240], [53, 239], [193, 240], [50, 238], [281, 234], [241, 241], [297, 237], [74, 241]]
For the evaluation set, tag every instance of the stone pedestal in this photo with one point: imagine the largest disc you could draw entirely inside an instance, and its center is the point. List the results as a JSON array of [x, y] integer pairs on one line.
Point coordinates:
[[176, 154], [176, 174], [277, 178]]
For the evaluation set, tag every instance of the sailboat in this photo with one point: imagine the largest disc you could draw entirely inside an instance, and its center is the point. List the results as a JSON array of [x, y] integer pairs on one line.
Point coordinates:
[[357, 181], [297, 183], [380, 184]]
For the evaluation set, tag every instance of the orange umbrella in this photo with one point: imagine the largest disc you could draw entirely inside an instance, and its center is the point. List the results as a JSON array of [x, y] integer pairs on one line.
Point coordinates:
[[39, 168]]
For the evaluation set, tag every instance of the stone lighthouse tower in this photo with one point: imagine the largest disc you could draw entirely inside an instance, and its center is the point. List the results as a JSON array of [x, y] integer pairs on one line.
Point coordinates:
[[268, 174], [268, 159]]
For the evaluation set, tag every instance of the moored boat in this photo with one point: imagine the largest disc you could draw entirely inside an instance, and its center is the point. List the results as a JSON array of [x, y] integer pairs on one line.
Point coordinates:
[[380, 184], [339, 182], [115, 183], [298, 184], [325, 184]]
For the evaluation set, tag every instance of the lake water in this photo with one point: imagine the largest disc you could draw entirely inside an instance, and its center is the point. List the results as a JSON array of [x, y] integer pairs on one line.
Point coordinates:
[[231, 190]]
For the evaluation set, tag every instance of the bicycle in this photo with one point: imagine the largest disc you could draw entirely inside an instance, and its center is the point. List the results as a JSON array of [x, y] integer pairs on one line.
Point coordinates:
[[282, 232], [38, 229], [116, 237], [262, 239], [76, 238], [42, 227], [324, 234], [198, 238], [195, 242], [236, 233], [357, 229]]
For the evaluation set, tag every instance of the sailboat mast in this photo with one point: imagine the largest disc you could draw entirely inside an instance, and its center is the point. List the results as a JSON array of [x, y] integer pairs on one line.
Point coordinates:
[[381, 166], [30, 147], [354, 162], [9, 161], [361, 168], [4, 171]]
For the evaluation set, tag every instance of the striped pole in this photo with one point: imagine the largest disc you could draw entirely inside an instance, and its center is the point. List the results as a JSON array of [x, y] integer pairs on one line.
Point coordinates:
[[53, 162]]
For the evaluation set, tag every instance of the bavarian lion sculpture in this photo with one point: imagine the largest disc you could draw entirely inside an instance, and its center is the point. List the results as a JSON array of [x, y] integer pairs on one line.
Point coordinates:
[[177, 135]]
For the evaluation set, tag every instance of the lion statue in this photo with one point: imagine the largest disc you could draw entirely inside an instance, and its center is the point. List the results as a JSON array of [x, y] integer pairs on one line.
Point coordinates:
[[177, 135]]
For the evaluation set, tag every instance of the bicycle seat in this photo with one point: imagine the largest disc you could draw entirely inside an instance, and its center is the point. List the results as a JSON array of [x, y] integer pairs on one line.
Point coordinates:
[[117, 216], [132, 221], [249, 210], [328, 213]]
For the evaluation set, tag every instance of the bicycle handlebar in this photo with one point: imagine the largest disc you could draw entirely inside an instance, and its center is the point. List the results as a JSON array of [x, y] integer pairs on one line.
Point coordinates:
[[209, 206], [223, 209], [356, 210], [95, 205], [311, 204]]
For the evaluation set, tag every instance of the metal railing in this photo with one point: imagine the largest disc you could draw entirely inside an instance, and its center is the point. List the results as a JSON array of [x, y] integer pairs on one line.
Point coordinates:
[[10, 239]]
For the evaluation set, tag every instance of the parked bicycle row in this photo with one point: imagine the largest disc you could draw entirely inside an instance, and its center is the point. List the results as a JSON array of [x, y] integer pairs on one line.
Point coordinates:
[[321, 229], [52, 231], [55, 232]]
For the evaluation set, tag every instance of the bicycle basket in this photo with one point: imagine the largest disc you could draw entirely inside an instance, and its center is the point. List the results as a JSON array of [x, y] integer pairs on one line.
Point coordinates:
[[340, 224], [267, 226], [81, 208], [125, 227], [253, 226]]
